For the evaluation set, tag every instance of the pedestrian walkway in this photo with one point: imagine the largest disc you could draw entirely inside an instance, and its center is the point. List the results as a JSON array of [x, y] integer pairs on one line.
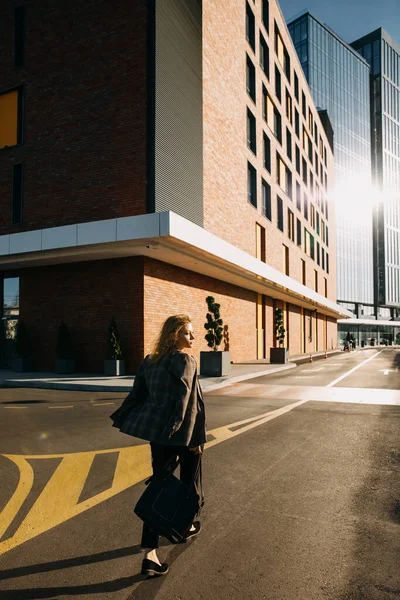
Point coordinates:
[[101, 383]]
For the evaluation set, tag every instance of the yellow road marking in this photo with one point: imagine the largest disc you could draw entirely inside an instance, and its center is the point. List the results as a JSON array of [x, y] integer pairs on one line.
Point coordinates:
[[59, 500], [20, 495], [15, 407], [103, 404], [60, 406]]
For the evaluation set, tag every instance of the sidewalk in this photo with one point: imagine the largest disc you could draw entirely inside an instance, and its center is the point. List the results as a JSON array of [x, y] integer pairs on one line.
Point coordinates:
[[101, 383]]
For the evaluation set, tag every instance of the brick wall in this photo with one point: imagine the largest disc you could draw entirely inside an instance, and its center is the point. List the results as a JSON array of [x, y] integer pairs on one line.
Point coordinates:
[[170, 290], [86, 296], [84, 150], [227, 212]]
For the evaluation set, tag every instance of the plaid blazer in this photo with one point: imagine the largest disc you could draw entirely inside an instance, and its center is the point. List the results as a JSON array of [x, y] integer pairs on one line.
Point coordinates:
[[166, 403]]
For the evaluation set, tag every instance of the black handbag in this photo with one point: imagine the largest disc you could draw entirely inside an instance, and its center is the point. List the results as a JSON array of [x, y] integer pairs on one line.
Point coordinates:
[[169, 506]]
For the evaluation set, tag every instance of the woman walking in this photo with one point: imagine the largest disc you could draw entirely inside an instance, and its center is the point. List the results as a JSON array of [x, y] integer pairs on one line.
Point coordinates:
[[166, 408]]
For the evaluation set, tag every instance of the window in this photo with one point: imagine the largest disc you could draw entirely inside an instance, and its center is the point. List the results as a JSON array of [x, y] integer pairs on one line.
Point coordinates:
[[312, 216], [316, 134], [304, 164], [278, 84], [318, 254], [17, 194], [286, 64], [250, 27], [279, 47], [288, 144], [264, 56], [304, 105], [327, 263], [318, 223], [272, 115], [311, 184], [251, 79], [265, 14], [325, 157], [251, 185], [289, 111], [305, 207], [267, 153], [323, 258], [310, 122], [260, 242], [297, 122], [299, 242], [303, 271], [298, 164], [279, 206], [327, 233], [278, 125], [19, 37], [11, 114], [298, 196], [310, 151], [284, 176], [266, 200], [326, 287], [251, 132], [290, 225], [316, 162], [316, 280], [285, 256], [296, 87], [321, 147]]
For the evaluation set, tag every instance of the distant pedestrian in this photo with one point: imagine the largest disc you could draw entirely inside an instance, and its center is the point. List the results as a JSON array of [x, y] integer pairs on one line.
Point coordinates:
[[166, 408]]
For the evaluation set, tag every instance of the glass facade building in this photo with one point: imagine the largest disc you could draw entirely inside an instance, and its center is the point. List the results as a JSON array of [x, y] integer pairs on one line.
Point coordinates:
[[339, 81], [383, 56]]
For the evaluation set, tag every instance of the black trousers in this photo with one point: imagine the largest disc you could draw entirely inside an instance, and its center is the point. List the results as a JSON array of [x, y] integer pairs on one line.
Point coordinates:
[[161, 458]]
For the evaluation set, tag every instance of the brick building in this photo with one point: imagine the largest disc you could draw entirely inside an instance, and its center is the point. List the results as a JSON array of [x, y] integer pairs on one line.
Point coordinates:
[[152, 154]]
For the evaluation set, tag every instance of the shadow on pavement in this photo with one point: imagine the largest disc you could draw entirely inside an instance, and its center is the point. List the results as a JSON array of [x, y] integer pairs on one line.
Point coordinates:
[[376, 507], [70, 591], [66, 564], [148, 589], [25, 402]]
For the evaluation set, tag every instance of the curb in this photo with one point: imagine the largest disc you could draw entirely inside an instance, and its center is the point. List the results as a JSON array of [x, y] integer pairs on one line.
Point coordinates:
[[92, 387]]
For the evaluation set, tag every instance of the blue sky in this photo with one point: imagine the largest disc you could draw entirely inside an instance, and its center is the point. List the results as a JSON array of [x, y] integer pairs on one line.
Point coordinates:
[[350, 19]]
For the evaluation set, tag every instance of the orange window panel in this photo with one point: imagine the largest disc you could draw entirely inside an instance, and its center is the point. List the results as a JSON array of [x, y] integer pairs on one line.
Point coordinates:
[[9, 119]]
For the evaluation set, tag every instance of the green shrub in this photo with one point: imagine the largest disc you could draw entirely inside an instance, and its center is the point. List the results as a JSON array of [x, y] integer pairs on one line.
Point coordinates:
[[214, 324]]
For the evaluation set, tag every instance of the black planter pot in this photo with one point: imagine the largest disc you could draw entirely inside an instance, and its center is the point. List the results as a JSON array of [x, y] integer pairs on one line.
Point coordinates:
[[215, 364], [114, 368], [278, 356], [21, 365], [65, 365]]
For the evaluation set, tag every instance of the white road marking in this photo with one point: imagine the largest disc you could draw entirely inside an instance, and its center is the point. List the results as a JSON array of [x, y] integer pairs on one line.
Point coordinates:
[[386, 371], [352, 370], [312, 370]]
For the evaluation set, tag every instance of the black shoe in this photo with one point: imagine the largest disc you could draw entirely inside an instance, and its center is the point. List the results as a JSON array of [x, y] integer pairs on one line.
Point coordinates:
[[193, 533], [151, 568]]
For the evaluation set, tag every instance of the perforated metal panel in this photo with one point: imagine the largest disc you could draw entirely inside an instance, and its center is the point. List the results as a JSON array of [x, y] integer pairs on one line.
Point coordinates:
[[178, 125]]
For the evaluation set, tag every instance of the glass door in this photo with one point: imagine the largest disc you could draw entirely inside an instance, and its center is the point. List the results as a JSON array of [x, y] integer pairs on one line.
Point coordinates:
[[9, 289]]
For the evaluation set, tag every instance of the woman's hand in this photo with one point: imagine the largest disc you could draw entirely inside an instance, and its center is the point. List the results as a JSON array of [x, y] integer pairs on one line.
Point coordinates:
[[196, 450]]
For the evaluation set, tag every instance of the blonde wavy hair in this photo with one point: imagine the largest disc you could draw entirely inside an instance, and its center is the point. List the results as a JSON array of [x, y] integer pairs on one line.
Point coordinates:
[[168, 337]]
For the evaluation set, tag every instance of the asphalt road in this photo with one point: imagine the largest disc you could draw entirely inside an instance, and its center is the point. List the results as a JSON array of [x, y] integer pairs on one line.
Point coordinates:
[[301, 481]]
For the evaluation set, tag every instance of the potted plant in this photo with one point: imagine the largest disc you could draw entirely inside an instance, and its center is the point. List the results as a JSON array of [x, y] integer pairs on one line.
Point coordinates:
[[23, 349], [114, 365], [280, 354], [65, 361], [214, 363]]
